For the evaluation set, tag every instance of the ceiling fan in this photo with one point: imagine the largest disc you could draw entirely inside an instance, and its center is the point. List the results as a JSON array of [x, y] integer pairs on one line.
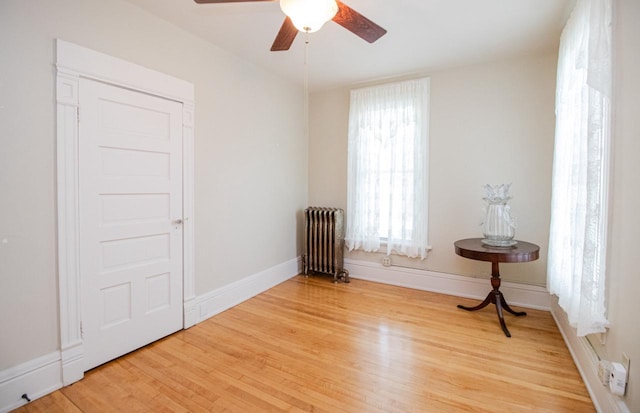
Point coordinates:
[[309, 15]]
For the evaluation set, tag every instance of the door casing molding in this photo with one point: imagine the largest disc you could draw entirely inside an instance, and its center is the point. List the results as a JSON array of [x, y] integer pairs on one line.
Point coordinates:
[[72, 63]]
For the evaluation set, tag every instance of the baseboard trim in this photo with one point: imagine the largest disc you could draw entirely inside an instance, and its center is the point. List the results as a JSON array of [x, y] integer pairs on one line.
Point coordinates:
[[586, 361], [43, 375], [36, 378], [214, 302], [521, 295], [72, 362]]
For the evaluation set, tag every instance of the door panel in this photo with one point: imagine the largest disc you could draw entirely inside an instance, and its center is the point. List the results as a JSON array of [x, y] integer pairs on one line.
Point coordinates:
[[130, 157]]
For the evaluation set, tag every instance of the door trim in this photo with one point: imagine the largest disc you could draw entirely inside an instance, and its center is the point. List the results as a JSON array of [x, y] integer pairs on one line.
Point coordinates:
[[72, 63]]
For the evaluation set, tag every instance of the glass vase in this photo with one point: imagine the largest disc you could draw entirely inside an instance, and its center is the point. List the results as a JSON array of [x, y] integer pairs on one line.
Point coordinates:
[[499, 227]]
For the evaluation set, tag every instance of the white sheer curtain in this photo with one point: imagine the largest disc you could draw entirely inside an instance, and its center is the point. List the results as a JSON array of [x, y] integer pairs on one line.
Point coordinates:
[[577, 244], [387, 168]]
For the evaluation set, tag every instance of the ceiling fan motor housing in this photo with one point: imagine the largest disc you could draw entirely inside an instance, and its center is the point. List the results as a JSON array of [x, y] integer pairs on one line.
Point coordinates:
[[309, 15]]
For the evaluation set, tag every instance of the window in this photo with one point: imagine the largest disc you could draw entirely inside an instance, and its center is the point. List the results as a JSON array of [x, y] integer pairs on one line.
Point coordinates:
[[387, 168], [577, 242]]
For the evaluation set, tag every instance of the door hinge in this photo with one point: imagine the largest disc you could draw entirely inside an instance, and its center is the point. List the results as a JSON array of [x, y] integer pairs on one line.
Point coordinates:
[[81, 330], [78, 113]]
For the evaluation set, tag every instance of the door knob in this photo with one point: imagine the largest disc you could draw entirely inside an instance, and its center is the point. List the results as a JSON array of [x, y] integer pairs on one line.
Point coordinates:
[[177, 222]]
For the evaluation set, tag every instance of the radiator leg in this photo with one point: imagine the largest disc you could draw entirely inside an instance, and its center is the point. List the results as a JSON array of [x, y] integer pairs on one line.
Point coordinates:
[[305, 267], [341, 274], [345, 274], [337, 275]]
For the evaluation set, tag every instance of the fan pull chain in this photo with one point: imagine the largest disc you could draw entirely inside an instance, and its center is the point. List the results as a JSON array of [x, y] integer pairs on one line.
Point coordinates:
[[306, 86]]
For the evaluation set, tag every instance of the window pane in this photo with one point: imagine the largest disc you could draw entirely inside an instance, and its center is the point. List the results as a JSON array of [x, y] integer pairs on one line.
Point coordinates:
[[388, 160]]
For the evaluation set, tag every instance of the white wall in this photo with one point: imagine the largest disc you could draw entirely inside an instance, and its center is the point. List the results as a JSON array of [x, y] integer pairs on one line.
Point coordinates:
[[490, 123], [250, 153]]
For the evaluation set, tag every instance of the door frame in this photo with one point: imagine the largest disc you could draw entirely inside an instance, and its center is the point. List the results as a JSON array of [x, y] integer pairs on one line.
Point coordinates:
[[72, 63]]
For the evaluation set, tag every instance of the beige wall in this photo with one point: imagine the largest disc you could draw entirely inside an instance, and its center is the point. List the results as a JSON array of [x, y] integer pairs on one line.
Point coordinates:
[[623, 276], [509, 105], [250, 153], [490, 123]]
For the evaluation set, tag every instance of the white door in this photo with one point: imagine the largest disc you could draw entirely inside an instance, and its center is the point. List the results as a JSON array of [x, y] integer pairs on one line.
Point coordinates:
[[130, 179]]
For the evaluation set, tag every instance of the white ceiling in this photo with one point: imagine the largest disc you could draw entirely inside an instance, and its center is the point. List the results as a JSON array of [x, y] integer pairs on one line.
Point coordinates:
[[423, 35]]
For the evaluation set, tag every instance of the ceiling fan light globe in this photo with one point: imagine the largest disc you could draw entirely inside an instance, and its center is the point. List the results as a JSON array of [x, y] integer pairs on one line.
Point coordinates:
[[309, 15]]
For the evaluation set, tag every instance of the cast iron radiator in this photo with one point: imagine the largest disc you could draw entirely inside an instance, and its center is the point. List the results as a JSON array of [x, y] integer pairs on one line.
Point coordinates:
[[323, 242]]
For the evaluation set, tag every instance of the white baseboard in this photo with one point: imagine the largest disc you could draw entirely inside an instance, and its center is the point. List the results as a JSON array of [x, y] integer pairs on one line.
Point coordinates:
[[214, 302], [43, 375], [191, 312], [521, 295], [586, 361], [72, 361], [36, 378]]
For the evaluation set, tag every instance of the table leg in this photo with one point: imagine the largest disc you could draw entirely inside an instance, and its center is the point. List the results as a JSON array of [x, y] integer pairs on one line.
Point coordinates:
[[506, 307], [496, 297], [483, 304], [499, 299]]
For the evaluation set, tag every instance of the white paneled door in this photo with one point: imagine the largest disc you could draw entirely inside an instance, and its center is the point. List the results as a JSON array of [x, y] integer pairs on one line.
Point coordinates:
[[130, 179]]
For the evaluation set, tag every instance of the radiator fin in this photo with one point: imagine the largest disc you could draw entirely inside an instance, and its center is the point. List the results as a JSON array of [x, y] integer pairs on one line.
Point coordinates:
[[323, 242]]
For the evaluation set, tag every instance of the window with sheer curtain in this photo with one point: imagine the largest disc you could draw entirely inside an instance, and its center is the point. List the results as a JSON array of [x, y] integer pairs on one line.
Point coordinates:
[[388, 168], [577, 243]]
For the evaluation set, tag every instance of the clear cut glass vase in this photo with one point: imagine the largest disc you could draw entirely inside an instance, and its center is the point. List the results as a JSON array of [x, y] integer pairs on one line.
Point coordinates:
[[499, 227]]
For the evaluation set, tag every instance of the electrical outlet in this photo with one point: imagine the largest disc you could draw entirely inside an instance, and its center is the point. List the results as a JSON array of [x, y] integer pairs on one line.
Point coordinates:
[[386, 261], [618, 379]]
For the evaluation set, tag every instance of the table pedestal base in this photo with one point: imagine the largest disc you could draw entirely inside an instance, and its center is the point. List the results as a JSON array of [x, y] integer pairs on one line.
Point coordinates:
[[475, 249], [496, 297]]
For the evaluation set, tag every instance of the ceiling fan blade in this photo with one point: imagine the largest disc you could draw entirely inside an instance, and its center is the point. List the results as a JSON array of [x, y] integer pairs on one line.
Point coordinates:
[[226, 1], [357, 23], [285, 36]]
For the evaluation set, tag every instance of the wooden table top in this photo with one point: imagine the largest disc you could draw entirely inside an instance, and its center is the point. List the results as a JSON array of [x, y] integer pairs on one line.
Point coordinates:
[[474, 249]]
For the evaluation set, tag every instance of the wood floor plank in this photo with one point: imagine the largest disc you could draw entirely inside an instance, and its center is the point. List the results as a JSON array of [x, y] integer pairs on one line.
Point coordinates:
[[311, 345], [54, 402]]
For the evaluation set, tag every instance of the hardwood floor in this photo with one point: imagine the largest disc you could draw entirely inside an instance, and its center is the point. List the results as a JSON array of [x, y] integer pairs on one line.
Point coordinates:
[[311, 345]]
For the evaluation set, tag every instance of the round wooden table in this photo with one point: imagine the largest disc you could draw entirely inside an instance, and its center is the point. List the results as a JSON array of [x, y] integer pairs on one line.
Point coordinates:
[[474, 249]]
